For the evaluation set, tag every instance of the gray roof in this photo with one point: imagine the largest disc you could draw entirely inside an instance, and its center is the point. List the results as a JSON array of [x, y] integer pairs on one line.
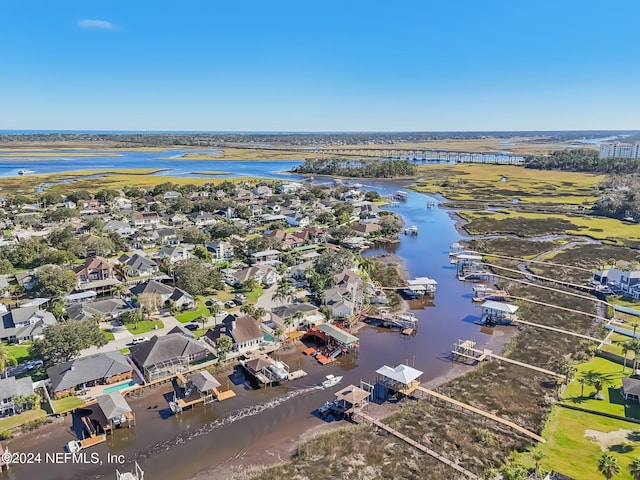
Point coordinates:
[[151, 286], [113, 405], [12, 386], [290, 310], [160, 349], [138, 262], [85, 369], [631, 386], [204, 381], [110, 306], [39, 320]]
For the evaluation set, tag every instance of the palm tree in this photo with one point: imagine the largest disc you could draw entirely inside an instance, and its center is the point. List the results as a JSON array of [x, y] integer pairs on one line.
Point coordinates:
[[634, 468], [608, 466], [118, 289], [248, 309], [173, 308], [582, 381], [260, 313], [98, 318], [6, 358], [366, 264], [625, 349], [567, 368], [537, 455]]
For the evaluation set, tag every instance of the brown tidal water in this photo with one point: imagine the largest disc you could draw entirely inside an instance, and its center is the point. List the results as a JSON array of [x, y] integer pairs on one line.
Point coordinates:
[[205, 440]]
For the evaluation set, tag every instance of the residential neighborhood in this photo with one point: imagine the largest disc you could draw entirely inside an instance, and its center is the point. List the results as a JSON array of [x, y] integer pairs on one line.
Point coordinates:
[[128, 287]]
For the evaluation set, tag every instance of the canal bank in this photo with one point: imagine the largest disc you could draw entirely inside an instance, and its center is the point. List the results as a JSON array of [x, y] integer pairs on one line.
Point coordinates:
[[244, 430]]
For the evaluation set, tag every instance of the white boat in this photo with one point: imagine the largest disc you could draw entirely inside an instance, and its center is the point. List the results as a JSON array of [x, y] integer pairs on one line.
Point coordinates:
[[25, 172], [331, 380], [74, 446], [482, 289]]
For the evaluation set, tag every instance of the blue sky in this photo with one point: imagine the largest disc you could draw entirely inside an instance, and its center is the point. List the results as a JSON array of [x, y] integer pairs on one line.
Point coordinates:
[[319, 66]]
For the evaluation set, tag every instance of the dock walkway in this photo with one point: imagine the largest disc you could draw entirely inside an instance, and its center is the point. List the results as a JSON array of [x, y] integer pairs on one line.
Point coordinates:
[[483, 413], [526, 365], [419, 446]]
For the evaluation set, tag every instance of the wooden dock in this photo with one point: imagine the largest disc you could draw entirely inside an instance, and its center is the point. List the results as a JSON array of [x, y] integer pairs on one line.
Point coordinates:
[[559, 330], [488, 415], [526, 365], [418, 446], [93, 440]]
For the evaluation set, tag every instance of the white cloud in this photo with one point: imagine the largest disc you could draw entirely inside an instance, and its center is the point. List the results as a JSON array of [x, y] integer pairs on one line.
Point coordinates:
[[96, 25]]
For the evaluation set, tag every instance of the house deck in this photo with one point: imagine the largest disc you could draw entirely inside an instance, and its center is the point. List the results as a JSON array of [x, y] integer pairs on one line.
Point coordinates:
[[93, 440]]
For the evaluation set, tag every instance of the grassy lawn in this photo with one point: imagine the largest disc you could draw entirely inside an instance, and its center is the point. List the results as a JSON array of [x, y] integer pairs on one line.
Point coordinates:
[[108, 335], [125, 351], [253, 295], [568, 450], [615, 346], [208, 358], [19, 352], [145, 326], [21, 418], [66, 403], [191, 315], [614, 402]]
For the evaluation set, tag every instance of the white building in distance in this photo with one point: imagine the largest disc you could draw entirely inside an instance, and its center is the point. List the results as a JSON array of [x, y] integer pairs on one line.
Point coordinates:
[[619, 150]]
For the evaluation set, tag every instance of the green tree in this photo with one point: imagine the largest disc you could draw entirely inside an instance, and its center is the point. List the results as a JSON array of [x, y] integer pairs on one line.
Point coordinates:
[[608, 466], [634, 468], [6, 267], [567, 368], [118, 290], [6, 358], [57, 308], [224, 344], [63, 341], [98, 318], [195, 276], [133, 316], [248, 309], [260, 313], [54, 281], [537, 454], [513, 471]]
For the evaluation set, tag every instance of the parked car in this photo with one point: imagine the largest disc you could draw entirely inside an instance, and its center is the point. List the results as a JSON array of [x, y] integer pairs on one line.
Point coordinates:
[[230, 304], [138, 340], [191, 326]]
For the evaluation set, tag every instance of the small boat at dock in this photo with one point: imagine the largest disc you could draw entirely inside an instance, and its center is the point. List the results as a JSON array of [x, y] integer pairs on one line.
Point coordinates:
[[331, 380], [74, 446]]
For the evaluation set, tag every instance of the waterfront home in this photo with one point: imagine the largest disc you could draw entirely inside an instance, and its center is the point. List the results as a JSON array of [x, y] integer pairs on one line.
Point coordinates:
[[164, 356], [243, 330], [366, 229], [141, 219], [110, 309], [220, 249], [137, 265], [94, 268], [25, 323], [295, 315], [401, 379], [11, 387], [174, 254], [74, 376]]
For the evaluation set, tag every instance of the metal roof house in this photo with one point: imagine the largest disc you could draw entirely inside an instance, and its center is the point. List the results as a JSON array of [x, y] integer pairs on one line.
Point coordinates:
[[116, 411], [498, 312], [401, 379]]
